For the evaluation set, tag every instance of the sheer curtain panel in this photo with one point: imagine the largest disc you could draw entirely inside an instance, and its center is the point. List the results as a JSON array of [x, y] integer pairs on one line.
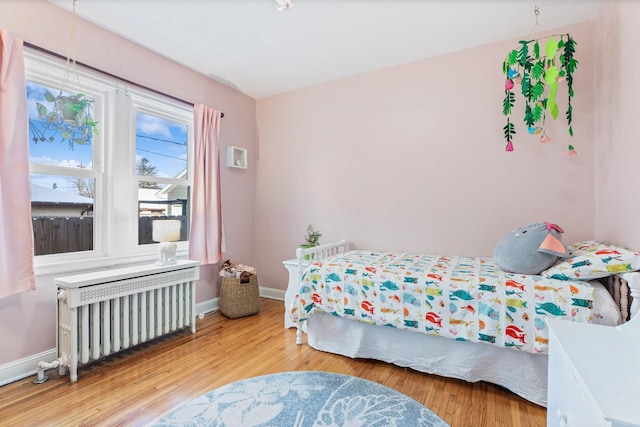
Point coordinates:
[[16, 235], [205, 238]]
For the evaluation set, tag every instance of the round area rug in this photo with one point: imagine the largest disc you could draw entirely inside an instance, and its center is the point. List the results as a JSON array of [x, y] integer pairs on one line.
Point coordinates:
[[302, 398]]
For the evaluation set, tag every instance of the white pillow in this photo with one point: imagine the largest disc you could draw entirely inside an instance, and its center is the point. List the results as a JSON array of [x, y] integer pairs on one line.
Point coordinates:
[[593, 260]]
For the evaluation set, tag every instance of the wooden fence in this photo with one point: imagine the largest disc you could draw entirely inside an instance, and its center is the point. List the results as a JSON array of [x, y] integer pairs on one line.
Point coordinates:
[[55, 235]]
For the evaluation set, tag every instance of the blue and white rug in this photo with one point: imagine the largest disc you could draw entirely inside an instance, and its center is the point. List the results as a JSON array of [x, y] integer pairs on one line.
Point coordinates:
[[302, 398]]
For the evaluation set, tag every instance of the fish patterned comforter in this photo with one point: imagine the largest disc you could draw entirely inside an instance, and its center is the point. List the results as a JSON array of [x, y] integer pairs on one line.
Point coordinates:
[[463, 298]]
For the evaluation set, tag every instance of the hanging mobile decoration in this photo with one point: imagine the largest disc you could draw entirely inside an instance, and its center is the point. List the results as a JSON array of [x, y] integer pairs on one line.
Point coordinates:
[[535, 71]]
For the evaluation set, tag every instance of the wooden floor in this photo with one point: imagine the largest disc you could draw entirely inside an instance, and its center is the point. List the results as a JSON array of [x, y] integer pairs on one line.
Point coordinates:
[[138, 386]]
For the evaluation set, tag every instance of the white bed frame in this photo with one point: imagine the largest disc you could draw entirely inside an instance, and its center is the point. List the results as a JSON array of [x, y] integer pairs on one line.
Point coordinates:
[[523, 373]]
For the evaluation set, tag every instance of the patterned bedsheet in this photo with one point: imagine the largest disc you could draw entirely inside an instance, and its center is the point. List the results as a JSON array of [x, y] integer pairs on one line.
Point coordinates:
[[462, 298]]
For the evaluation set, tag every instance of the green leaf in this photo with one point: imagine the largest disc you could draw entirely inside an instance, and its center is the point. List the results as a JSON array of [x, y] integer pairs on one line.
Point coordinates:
[[65, 135], [537, 90], [551, 48], [507, 103], [537, 112], [572, 65], [523, 54], [42, 110], [513, 57], [49, 96], [570, 114], [538, 70], [571, 130], [525, 85], [536, 50], [551, 75], [528, 116], [552, 106], [509, 130], [80, 141]]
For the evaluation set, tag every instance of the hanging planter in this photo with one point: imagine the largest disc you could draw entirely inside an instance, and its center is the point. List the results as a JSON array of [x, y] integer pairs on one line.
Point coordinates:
[[539, 75], [69, 116]]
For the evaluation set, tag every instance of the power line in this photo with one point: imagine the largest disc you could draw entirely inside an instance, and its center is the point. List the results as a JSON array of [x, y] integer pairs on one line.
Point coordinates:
[[160, 154], [161, 140]]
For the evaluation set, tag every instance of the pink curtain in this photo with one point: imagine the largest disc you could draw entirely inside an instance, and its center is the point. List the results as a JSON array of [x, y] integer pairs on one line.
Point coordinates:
[[16, 235], [205, 238]]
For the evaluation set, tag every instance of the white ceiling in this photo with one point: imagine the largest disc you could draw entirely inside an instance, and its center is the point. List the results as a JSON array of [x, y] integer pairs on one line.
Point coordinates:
[[251, 46]]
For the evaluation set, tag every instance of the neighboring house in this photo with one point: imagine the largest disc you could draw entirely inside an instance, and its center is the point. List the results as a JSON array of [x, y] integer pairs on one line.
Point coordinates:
[[52, 202], [170, 200]]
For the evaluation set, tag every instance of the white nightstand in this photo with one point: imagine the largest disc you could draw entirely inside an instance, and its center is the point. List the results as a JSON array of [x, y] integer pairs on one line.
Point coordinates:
[[593, 375], [292, 267]]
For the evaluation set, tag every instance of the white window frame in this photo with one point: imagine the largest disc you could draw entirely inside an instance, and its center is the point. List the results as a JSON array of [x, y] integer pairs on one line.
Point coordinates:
[[113, 166], [144, 103]]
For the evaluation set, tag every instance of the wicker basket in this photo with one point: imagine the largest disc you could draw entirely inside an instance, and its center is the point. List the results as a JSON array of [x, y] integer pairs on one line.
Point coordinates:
[[239, 299]]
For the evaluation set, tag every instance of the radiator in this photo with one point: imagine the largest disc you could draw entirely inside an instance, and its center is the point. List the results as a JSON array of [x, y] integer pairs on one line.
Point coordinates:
[[105, 312]]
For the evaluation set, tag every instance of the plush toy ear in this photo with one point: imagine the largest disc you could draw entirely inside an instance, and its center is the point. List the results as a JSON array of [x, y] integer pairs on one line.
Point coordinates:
[[553, 246]]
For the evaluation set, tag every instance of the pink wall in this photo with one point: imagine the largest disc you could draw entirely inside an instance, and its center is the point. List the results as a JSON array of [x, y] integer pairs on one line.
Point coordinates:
[[617, 85], [412, 158], [32, 315]]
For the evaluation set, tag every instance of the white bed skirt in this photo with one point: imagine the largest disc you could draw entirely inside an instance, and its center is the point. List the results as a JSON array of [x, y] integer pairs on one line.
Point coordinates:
[[523, 373]]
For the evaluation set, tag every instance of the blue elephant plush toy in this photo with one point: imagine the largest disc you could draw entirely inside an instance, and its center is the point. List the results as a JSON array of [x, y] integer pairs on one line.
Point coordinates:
[[531, 249]]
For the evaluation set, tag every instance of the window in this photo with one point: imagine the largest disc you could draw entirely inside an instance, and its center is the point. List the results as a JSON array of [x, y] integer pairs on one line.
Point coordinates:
[[96, 198], [161, 172]]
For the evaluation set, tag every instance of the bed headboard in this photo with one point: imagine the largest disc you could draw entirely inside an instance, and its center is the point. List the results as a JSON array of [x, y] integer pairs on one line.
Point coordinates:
[[307, 256]]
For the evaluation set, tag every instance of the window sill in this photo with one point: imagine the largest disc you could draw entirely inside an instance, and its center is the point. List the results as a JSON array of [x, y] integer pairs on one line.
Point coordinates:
[[75, 266]]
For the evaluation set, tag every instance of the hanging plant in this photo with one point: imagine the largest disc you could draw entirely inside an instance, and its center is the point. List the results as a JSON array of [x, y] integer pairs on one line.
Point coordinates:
[[535, 72], [69, 116]]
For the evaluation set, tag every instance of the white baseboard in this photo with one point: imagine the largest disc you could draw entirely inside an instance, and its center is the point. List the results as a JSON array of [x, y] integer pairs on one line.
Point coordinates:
[[272, 293], [18, 369], [209, 306], [22, 368]]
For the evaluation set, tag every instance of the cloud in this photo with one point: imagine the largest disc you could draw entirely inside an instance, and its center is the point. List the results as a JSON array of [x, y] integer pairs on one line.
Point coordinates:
[[153, 126]]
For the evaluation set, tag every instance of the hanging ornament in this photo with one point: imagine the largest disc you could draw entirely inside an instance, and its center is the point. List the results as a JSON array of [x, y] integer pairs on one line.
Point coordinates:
[[544, 138]]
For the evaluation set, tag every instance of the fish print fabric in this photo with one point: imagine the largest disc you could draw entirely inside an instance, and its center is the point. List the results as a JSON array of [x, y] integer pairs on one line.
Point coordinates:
[[463, 298]]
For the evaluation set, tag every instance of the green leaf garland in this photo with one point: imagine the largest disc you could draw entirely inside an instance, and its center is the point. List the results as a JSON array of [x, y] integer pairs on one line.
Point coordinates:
[[537, 74]]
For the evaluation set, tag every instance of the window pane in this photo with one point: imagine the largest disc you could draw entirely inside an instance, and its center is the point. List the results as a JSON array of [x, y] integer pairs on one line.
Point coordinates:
[[51, 140], [62, 217], [161, 147], [160, 201]]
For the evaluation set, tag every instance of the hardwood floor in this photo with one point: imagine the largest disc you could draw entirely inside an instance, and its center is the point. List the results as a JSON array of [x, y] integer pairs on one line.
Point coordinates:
[[138, 386]]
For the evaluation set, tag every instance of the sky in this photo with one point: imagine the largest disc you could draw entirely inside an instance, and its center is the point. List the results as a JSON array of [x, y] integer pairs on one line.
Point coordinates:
[[162, 142]]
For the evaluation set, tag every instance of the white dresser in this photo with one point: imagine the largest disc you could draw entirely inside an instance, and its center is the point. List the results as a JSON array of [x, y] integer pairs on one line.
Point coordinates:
[[594, 378]]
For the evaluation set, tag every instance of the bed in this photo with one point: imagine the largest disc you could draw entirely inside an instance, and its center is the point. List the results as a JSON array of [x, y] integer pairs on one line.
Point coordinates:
[[457, 317]]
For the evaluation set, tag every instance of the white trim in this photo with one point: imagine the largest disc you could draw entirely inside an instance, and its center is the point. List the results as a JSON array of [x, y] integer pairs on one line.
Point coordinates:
[[18, 369], [25, 367], [277, 294]]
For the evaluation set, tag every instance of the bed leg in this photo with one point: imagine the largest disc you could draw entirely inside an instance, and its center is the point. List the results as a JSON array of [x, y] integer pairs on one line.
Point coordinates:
[[299, 335]]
